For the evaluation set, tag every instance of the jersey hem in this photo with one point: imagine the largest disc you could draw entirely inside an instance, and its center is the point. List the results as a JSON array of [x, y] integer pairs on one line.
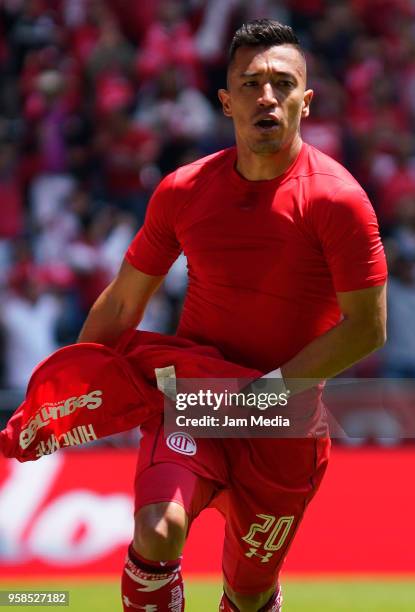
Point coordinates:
[[367, 284]]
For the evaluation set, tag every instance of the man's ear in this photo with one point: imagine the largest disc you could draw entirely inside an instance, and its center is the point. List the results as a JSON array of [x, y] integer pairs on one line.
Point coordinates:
[[308, 96], [225, 98]]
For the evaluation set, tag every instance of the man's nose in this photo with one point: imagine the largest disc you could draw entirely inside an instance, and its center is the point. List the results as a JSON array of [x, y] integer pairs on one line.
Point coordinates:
[[267, 97]]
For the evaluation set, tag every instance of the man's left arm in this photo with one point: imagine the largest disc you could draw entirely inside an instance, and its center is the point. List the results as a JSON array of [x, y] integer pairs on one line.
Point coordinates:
[[345, 225], [361, 331]]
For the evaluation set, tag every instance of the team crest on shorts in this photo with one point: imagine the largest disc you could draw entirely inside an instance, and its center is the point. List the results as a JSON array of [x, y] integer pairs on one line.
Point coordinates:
[[182, 443]]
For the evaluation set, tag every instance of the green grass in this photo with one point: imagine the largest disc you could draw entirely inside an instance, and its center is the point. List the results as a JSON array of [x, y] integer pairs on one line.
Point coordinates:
[[300, 596]]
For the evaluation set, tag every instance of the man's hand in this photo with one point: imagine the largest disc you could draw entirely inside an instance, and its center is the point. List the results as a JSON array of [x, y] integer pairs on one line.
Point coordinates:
[[266, 391]]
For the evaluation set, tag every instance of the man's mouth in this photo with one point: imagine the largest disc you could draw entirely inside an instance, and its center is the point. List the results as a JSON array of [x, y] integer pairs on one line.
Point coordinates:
[[267, 124]]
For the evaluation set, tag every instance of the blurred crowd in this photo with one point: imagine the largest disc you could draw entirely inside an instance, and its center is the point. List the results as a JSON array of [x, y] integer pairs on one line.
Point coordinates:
[[101, 98]]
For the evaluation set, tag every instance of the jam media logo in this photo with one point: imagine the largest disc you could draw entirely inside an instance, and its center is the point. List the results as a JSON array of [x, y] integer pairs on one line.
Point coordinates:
[[182, 443]]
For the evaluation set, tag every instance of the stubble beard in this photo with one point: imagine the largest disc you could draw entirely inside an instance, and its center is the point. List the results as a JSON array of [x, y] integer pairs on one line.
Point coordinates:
[[266, 147]]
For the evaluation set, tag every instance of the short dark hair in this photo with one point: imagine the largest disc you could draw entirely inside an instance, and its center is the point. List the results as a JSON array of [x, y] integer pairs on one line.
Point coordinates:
[[263, 33]]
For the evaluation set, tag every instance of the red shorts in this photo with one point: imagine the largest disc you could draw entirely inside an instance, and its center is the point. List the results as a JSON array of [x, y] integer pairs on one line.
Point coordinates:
[[262, 486]]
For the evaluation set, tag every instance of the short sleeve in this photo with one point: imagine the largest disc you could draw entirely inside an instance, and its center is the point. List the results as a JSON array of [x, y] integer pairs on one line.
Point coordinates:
[[348, 232], [155, 246]]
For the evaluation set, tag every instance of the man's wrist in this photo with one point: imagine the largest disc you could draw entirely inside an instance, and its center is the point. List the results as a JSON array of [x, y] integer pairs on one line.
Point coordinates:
[[275, 374]]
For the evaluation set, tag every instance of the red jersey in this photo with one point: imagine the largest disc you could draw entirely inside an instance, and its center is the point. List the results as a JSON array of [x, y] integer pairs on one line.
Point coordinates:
[[265, 258]]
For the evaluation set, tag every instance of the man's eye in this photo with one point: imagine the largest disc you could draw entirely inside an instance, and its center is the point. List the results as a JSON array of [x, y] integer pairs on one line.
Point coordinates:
[[250, 83], [286, 84]]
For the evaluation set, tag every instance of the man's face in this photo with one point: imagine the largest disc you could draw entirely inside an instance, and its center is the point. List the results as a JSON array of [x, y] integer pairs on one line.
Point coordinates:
[[266, 97]]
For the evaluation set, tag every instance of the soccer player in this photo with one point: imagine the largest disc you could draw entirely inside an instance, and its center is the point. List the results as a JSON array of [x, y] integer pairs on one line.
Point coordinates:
[[286, 273]]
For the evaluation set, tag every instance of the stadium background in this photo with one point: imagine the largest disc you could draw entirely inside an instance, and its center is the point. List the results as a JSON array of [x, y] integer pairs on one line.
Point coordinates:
[[100, 99]]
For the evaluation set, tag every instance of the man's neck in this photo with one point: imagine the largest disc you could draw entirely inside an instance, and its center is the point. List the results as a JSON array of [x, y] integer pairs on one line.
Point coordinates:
[[254, 167]]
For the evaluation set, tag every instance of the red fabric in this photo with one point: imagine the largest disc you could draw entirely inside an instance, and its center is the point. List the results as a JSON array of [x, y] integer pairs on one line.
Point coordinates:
[[88, 391], [83, 41], [11, 221], [114, 91], [379, 16], [135, 17], [401, 184], [164, 47], [123, 155], [179, 484], [359, 79], [262, 253], [147, 585], [226, 605], [242, 478], [274, 604]]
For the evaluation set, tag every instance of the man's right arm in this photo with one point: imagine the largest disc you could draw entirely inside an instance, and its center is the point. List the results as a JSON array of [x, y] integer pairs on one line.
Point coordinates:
[[120, 306]]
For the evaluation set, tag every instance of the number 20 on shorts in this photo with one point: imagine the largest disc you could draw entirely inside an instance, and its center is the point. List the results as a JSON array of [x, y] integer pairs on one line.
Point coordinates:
[[277, 531]]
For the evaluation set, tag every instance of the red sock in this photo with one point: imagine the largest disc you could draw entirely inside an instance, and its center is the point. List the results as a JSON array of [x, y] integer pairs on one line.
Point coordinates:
[[151, 586], [274, 604], [226, 605]]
